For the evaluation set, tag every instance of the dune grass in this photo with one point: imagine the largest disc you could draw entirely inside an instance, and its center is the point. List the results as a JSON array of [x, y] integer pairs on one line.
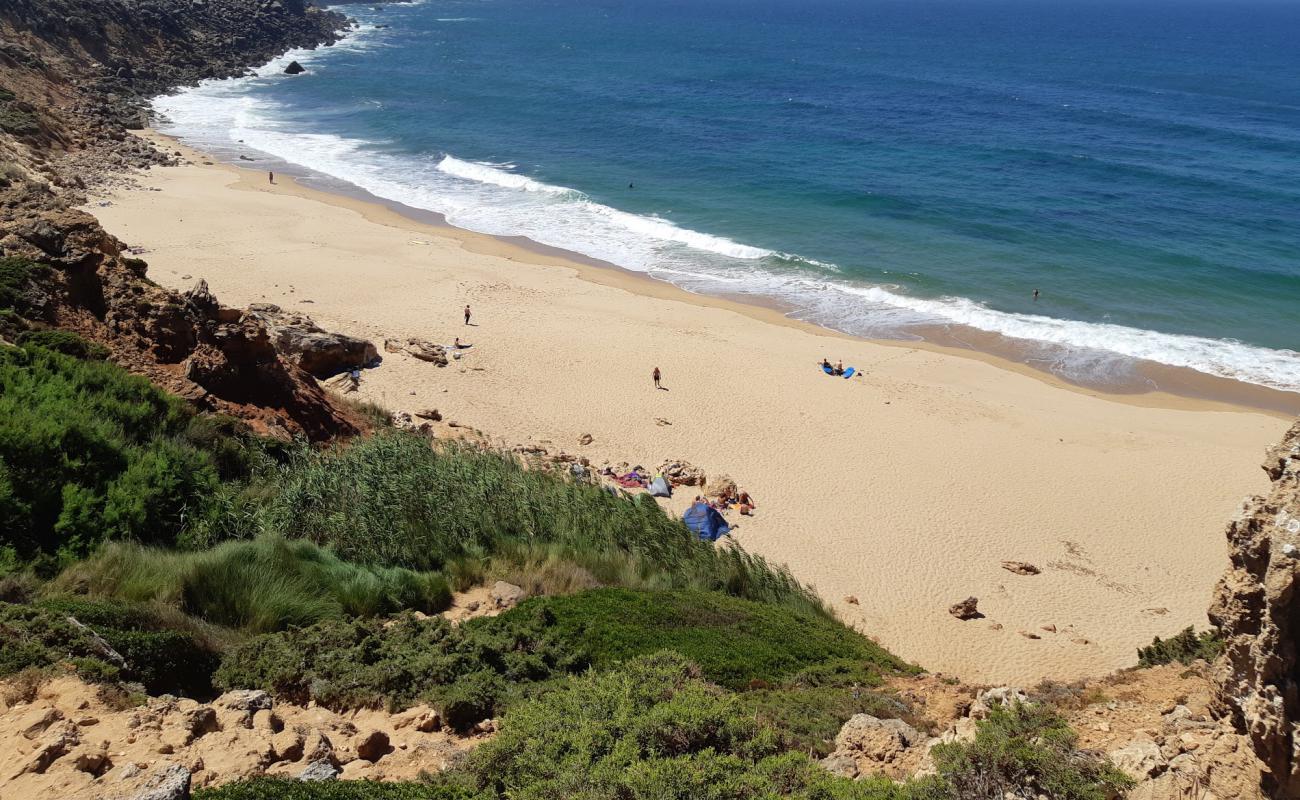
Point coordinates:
[[256, 586]]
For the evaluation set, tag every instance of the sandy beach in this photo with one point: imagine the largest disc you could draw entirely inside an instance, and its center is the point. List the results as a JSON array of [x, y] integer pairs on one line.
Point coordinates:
[[905, 488]]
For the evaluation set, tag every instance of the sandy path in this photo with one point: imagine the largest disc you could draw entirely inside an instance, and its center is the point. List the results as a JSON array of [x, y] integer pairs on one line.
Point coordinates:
[[905, 488]]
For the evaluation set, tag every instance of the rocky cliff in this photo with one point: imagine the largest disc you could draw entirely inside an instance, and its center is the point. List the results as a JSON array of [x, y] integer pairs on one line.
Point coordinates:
[[74, 76], [1257, 609]]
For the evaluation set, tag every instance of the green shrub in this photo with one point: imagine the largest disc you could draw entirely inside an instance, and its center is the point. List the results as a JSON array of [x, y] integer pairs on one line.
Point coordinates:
[[264, 585], [16, 275], [1186, 647], [19, 123], [650, 729], [811, 706], [1026, 750], [288, 789], [87, 453], [735, 642], [65, 342], [162, 657], [473, 671]]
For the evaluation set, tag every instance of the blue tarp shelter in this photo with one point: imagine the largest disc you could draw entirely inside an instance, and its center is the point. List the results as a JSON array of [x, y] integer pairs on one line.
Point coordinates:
[[707, 523]]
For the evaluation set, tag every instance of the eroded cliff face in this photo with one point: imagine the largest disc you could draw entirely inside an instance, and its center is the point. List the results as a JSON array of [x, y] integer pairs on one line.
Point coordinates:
[[74, 76], [1257, 609]]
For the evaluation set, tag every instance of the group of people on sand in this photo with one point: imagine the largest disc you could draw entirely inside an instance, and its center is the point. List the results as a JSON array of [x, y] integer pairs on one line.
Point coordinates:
[[838, 369], [731, 497]]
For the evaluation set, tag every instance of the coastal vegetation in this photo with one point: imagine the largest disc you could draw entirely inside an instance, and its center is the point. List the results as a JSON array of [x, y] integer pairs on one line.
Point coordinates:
[[654, 728], [156, 549], [1184, 647]]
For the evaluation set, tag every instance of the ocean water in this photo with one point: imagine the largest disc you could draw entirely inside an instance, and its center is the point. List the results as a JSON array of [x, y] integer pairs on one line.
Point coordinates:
[[882, 167]]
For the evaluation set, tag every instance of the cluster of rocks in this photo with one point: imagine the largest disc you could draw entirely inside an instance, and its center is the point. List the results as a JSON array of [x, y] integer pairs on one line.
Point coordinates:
[[67, 743], [867, 745]]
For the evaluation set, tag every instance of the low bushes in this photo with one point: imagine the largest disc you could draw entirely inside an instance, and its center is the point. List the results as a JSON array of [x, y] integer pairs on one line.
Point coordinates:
[[1186, 647], [476, 670], [16, 274], [65, 342], [289, 789], [264, 585], [1026, 750], [163, 654], [470, 672], [735, 642], [650, 729]]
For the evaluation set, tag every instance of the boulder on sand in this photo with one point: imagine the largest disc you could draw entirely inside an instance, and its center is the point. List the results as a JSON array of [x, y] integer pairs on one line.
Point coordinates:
[[418, 348], [318, 351], [966, 609]]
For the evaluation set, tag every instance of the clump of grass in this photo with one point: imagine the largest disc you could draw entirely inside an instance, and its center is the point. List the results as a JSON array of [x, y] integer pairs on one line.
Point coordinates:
[[257, 586], [1185, 647]]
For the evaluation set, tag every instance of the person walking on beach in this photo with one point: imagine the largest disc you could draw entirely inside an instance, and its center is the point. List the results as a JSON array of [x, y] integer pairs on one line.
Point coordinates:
[[466, 314], [270, 176], [656, 377]]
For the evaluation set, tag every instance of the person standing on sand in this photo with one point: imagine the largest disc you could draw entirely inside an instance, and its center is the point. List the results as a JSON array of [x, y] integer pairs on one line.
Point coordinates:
[[270, 176], [466, 314], [656, 377]]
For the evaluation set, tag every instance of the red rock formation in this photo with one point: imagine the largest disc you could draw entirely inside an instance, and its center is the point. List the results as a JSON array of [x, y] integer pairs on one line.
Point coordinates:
[[220, 358]]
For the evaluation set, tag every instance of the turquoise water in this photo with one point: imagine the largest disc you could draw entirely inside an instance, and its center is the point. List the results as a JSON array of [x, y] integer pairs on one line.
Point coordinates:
[[878, 167]]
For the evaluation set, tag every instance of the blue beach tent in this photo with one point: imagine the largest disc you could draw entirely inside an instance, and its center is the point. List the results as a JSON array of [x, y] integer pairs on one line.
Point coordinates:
[[706, 522]]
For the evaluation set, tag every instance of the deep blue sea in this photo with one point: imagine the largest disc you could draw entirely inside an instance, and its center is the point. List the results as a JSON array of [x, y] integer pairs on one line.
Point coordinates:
[[878, 166]]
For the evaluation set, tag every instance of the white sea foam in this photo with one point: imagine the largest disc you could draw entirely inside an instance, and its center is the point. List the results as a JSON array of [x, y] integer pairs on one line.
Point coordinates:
[[493, 198]]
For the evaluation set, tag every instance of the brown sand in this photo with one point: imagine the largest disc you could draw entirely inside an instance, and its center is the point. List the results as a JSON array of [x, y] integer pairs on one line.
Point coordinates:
[[905, 487]]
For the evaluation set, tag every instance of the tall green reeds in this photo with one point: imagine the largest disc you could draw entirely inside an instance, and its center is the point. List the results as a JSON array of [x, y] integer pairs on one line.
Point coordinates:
[[393, 499]]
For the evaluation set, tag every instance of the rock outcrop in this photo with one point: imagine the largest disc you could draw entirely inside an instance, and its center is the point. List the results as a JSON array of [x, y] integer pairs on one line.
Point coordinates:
[[1257, 609], [220, 359], [302, 342]]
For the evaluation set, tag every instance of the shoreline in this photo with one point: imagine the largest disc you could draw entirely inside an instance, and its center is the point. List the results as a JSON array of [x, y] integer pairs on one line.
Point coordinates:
[[1151, 382], [904, 489]]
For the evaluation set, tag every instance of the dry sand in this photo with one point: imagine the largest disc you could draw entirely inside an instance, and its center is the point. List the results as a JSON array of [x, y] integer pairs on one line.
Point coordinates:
[[905, 488]]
